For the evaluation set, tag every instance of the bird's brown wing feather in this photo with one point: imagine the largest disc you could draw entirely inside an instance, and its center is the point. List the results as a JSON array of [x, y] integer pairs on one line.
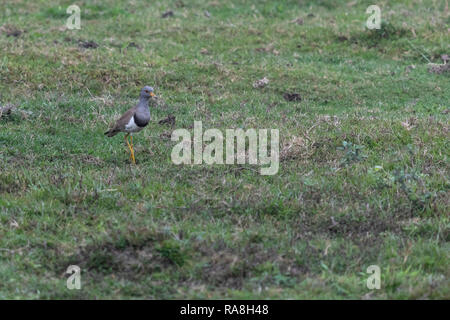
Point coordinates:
[[121, 123]]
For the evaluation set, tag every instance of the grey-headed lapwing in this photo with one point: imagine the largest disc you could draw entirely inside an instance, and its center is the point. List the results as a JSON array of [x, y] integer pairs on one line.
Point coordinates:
[[134, 120]]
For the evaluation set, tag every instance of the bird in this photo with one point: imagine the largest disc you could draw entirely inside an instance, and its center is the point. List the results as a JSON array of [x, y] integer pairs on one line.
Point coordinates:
[[134, 120]]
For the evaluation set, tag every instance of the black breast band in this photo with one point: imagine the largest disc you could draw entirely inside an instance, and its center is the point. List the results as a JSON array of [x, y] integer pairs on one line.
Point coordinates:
[[140, 122]]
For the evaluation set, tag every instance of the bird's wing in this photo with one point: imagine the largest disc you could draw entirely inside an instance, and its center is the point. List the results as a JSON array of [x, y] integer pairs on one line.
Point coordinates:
[[124, 119], [121, 122]]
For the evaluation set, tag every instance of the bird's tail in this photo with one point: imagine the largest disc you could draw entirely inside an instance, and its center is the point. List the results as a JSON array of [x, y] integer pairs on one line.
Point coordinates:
[[111, 133]]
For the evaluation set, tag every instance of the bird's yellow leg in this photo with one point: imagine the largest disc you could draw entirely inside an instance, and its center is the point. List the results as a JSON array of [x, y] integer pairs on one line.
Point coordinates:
[[132, 150], [126, 140]]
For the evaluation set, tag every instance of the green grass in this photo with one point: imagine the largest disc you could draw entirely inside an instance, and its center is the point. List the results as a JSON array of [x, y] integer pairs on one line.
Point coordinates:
[[364, 169]]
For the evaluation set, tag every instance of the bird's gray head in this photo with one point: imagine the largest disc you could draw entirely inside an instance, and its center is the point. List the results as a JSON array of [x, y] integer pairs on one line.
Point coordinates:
[[147, 93]]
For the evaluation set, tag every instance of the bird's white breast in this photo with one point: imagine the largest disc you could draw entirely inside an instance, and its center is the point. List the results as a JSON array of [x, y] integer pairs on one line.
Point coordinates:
[[131, 126]]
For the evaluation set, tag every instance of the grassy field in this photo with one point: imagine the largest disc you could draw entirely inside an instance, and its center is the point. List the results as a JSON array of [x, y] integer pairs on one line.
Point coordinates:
[[364, 170]]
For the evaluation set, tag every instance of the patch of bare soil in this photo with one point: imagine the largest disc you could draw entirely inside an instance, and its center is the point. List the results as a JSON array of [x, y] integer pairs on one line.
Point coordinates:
[[439, 68], [128, 261], [230, 267], [11, 31]]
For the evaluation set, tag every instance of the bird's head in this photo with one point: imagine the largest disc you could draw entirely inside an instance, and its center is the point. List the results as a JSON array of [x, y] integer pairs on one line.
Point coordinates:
[[147, 93]]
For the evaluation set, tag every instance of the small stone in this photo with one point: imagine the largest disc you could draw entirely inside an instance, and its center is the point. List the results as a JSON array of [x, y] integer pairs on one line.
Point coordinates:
[[167, 14], [292, 96], [298, 21], [88, 44], [261, 83]]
